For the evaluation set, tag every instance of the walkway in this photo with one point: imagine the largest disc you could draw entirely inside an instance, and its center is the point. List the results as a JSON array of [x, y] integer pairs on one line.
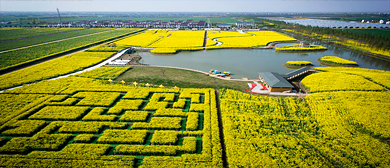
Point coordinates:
[[78, 72], [143, 48], [95, 66]]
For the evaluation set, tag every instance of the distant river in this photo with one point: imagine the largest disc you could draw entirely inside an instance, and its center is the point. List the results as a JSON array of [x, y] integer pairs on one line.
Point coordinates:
[[249, 62]]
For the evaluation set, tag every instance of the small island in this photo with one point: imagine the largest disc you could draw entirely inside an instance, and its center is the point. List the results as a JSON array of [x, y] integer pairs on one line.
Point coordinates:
[[297, 64], [303, 46], [336, 61]]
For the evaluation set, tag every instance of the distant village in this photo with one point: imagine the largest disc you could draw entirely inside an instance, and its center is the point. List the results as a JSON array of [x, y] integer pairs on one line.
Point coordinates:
[[148, 24], [143, 24], [382, 21], [188, 24]]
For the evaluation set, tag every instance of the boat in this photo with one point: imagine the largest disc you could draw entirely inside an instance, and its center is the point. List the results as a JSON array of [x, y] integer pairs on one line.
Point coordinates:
[[219, 73]]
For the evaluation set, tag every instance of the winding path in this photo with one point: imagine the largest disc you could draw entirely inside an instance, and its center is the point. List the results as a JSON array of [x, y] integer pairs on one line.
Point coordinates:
[[221, 133], [218, 42]]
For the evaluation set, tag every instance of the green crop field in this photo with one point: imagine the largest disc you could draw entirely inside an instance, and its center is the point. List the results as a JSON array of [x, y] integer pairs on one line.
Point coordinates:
[[16, 33], [223, 20], [73, 32], [164, 19], [376, 32], [42, 51]]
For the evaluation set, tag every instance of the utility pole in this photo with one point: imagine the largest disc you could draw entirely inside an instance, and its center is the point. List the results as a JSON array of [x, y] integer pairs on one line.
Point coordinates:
[[58, 11]]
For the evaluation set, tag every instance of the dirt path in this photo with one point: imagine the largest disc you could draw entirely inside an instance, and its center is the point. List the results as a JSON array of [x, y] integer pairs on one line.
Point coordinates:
[[205, 39], [221, 134], [50, 42]]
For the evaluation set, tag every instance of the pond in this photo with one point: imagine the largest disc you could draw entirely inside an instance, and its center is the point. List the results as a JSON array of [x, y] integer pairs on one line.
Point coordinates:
[[247, 63]]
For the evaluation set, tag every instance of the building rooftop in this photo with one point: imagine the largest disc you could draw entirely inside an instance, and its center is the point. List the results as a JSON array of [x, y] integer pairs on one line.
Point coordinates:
[[274, 79], [222, 24]]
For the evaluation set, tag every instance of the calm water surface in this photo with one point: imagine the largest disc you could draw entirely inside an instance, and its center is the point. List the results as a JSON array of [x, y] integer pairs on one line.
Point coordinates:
[[249, 62]]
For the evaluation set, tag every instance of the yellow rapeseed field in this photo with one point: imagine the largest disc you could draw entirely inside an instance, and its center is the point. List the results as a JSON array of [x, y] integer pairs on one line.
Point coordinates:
[[248, 39], [164, 50], [171, 41], [296, 47], [337, 60], [180, 39], [298, 63], [194, 40], [143, 39]]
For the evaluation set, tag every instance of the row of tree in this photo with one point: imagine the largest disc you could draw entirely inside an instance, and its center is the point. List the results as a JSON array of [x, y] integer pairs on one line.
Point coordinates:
[[374, 41]]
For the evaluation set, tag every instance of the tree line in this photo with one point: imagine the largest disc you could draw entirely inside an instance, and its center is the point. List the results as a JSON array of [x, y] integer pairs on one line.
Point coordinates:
[[374, 41]]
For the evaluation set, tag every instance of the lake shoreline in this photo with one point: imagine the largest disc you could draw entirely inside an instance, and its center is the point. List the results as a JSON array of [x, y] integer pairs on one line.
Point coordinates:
[[383, 57]]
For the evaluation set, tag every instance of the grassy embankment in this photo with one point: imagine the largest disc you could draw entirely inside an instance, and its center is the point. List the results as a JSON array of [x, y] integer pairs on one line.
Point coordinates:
[[350, 44], [177, 77]]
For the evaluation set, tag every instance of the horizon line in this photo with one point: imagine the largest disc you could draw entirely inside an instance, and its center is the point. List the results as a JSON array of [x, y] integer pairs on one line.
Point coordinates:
[[385, 12]]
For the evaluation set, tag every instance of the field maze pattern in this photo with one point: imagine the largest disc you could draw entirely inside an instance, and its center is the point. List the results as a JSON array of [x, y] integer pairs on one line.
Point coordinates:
[[102, 125]]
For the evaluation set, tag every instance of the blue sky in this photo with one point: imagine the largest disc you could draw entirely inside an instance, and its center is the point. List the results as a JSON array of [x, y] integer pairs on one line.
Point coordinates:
[[199, 5]]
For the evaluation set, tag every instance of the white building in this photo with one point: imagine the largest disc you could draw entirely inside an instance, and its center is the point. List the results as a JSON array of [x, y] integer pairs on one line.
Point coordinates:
[[246, 24], [224, 25]]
